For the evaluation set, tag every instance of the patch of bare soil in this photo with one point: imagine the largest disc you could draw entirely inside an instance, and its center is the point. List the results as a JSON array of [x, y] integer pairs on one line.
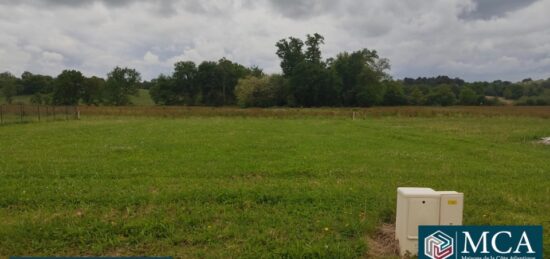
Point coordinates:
[[545, 141], [383, 244]]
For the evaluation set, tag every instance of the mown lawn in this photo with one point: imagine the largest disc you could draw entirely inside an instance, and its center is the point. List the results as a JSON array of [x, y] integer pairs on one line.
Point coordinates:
[[255, 187]]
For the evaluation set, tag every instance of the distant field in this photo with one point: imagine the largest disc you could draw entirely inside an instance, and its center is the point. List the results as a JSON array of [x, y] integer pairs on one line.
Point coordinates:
[[143, 99], [26, 99], [256, 187]]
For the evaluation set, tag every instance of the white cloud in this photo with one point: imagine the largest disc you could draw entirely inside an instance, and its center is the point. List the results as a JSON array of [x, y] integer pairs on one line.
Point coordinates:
[[421, 37], [52, 57], [151, 58]]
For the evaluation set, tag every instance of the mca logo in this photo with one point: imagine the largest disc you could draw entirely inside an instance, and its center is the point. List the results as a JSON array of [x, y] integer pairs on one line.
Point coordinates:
[[438, 246]]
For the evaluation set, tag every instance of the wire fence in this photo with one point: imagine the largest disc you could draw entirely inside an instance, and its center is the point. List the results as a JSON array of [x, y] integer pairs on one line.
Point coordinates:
[[21, 113]]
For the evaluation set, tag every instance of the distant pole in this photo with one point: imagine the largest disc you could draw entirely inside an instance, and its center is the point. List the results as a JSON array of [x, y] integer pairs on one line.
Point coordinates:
[[66, 113], [38, 108], [353, 115], [21, 112], [77, 113], [1, 114], [46, 112], [224, 88], [53, 109]]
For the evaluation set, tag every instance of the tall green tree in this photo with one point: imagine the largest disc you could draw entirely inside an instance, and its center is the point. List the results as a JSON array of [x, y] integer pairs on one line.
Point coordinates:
[[255, 71], [34, 83], [180, 88], [291, 54], [8, 86], [93, 90], [467, 96], [416, 96], [121, 84], [514, 91], [313, 51], [314, 85], [230, 74], [310, 82], [67, 87], [442, 95], [394, 94], [210, 81], [162, 92], [217, 81], [361, 73], [185, 84]]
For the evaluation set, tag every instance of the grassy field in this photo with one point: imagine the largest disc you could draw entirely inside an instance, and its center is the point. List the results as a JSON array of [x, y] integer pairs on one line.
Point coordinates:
[[142, 99], [26, 99], [255, 187]]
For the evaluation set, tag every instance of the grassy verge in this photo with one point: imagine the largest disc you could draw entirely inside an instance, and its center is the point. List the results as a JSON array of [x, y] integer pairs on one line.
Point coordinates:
[[255, 187], [357, 113]]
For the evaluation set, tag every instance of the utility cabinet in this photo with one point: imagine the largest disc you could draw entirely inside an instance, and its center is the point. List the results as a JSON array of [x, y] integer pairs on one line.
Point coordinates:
[[424, 206]]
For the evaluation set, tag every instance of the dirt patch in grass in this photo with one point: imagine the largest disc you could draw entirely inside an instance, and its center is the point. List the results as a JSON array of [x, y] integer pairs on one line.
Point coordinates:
[[545, 141], [382, 243]]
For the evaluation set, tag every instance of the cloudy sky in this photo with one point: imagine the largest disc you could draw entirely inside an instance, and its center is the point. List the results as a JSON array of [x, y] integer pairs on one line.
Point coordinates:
[[471, 39]]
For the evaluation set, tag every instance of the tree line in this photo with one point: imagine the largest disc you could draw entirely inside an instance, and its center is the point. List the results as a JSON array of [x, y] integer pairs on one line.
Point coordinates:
[[350, 79], [71, 87], [209, 83]]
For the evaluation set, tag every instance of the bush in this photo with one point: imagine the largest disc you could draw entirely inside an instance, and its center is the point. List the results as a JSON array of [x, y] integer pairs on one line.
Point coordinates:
[[394, 94], [468, 97], [36, 98], [442, 95], [416, 97], [8, 86], [265, 91], [514, 91], [534, 101], [254, 92]]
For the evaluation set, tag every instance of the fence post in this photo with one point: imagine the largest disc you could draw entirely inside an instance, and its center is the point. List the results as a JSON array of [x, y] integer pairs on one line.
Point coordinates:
[[21, 112], [53, 109], [77, 113], [1, 114], [38, 108], [66, 113]]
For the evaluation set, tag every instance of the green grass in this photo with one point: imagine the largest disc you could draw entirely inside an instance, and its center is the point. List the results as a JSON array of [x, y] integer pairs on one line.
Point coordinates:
[[256, 187], [142, 99]]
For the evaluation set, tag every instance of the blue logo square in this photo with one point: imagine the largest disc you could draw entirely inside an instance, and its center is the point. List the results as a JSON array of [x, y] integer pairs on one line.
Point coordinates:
[[480, 242]]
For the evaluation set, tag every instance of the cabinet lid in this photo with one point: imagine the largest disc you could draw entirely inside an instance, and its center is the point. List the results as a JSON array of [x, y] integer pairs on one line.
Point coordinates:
[[417, 192]]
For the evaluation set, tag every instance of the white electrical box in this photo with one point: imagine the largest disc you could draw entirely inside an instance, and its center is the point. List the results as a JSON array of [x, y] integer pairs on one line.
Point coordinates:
[[424, 206]]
